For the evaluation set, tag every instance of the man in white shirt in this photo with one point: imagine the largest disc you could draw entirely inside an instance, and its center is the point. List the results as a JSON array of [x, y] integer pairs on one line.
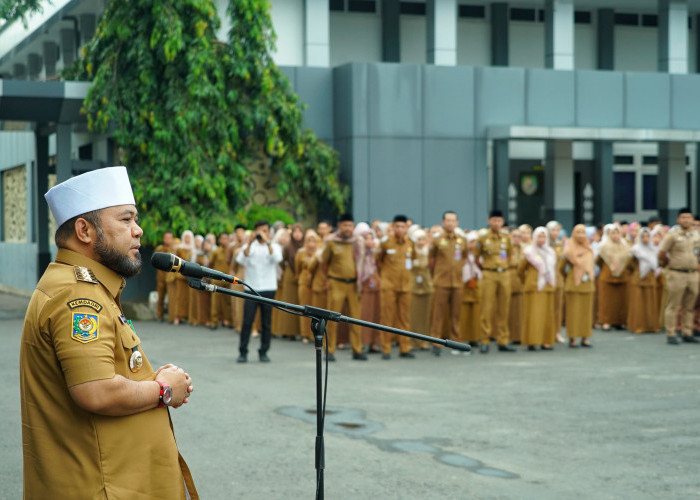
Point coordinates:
[[260, 258]]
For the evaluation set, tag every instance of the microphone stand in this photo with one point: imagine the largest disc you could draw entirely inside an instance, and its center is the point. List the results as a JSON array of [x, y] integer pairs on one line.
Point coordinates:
[[319, 319]]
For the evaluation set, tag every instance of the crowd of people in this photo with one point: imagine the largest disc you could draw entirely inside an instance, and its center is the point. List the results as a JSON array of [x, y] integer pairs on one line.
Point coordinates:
[[511, 285]]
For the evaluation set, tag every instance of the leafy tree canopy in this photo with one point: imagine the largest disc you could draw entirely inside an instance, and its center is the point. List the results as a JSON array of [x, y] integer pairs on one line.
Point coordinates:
[[191, 114], [17, 9]]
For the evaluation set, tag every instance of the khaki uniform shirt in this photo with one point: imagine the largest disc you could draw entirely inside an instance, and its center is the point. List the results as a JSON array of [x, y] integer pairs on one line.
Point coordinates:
[[682, 249], [340, 259], [450, 254], [73, 334], [395, 263], [495, 250]]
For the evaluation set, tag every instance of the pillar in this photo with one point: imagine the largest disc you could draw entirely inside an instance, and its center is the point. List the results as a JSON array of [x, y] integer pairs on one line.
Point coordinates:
[[559, 183], [670, 184], [41, 209], [501, 175], [673, 36], [30, 197], [64, 167], [391, 39], [50, 59], [499, 34], [316, 33], [604, 182], [559, 34], [441, 33], [68, 46], [87, 27], [606, 39], [34, 65]]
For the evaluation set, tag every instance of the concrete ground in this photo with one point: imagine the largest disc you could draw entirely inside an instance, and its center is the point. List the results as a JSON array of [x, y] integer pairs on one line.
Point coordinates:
[[619, 421]]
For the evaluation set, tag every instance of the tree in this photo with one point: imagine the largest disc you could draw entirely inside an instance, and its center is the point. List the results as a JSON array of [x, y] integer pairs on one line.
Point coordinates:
[[18, 9], [190, 113]]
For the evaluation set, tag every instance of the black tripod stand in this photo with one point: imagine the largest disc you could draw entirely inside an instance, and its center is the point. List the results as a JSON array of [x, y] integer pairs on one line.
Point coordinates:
[[319, 319]]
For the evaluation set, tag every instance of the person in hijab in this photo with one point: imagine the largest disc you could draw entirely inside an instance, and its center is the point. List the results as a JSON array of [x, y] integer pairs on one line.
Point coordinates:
[[422, 291], [525, 234], [305, 265], [642, 312], [186, 251], [613, 256], [554, 229], [288, 324], [538, 272], [577, 267], [516, 287], [470, 315], [368, 284], [204, 298]]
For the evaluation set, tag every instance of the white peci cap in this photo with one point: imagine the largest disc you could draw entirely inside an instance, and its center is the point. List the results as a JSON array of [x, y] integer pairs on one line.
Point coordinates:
[[106, 187]]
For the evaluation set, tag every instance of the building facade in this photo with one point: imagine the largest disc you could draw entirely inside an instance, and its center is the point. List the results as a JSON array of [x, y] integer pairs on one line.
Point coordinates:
[[579, 110]]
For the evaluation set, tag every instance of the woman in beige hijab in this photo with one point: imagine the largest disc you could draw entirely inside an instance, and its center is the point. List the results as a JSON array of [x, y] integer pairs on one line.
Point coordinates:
[[579, 274], [613, 256], [643, 310]]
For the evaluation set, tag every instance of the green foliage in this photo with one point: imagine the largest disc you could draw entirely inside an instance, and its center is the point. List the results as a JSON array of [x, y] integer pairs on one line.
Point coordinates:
[[191, 113], [257, 212], [11, 10]]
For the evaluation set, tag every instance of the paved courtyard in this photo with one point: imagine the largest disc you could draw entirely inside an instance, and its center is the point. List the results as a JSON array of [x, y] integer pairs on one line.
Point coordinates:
[[621, 420]]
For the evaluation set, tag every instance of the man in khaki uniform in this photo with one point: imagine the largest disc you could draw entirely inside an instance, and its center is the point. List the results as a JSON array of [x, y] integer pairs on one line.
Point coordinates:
[[94, 418], [161, 276], [680, 249], [220, 303], [493, 252], [447, 256], [239, 271], [395, 262], [338, 262]]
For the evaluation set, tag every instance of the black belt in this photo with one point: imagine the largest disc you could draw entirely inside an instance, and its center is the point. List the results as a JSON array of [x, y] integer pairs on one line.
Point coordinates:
[[344, 280], [682, 270], [498, 270]]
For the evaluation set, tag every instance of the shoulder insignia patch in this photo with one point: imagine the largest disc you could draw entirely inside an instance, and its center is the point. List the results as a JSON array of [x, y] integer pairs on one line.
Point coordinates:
[[84, 274], [85, 327], [85, 303]]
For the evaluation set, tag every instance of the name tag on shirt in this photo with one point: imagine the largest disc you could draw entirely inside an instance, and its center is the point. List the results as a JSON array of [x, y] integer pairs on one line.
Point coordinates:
[[391, 251], [409, 263]]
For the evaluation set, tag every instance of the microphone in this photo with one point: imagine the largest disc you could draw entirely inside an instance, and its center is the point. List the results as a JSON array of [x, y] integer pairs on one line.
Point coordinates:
[[173, 264]]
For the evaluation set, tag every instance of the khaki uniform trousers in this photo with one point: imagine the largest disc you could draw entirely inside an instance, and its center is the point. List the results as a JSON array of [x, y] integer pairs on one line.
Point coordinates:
[[221, 305], [682, 290], [495, 293], [447, 305], [161, 288], [171, 290], [338, 294], [396, 312]]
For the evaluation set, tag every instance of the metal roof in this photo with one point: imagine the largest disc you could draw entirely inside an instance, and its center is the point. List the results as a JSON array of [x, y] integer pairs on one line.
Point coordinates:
[[42, 102]]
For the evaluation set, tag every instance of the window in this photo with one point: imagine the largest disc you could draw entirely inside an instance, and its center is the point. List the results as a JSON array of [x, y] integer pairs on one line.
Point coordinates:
[[477, 11], [582, 17], [336, 5], [623, 160], [649, 192], [650, 160], [412, 8], [625, 192], [650, 20], [362, 6], [622, 19], [519, 14]]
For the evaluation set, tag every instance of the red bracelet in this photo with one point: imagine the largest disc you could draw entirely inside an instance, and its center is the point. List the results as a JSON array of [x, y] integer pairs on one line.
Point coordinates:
[[160, 396]]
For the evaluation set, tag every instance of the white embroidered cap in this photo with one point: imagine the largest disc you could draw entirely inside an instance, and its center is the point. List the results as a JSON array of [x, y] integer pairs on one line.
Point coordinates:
[[106, 187]]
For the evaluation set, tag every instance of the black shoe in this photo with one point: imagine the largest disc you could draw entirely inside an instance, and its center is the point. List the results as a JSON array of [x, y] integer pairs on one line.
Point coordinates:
[[672, 340], [550, 348], [696, 333], [408, 355], [330, 357], [386, 356], [213, 327], [359, 356], [484, 349], [586, 344], [242, 359], [690, 339], [574, 345], [507, 348], [531, 348], [373, 350], [263, 358], [436, 351]]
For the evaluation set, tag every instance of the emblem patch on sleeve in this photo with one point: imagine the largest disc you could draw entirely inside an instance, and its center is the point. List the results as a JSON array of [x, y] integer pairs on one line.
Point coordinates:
[[85, 327]]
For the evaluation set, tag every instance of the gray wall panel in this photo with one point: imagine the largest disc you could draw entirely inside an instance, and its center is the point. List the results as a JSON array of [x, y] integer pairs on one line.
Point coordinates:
[[395, 100], [550, 98], [448, 101], [500, 97], [291, 73], [315, 89], [395, 177], [685, 101], [600, 99], [481, 201], [350, 100], [647, 100], [18, 265], [448, 180]]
